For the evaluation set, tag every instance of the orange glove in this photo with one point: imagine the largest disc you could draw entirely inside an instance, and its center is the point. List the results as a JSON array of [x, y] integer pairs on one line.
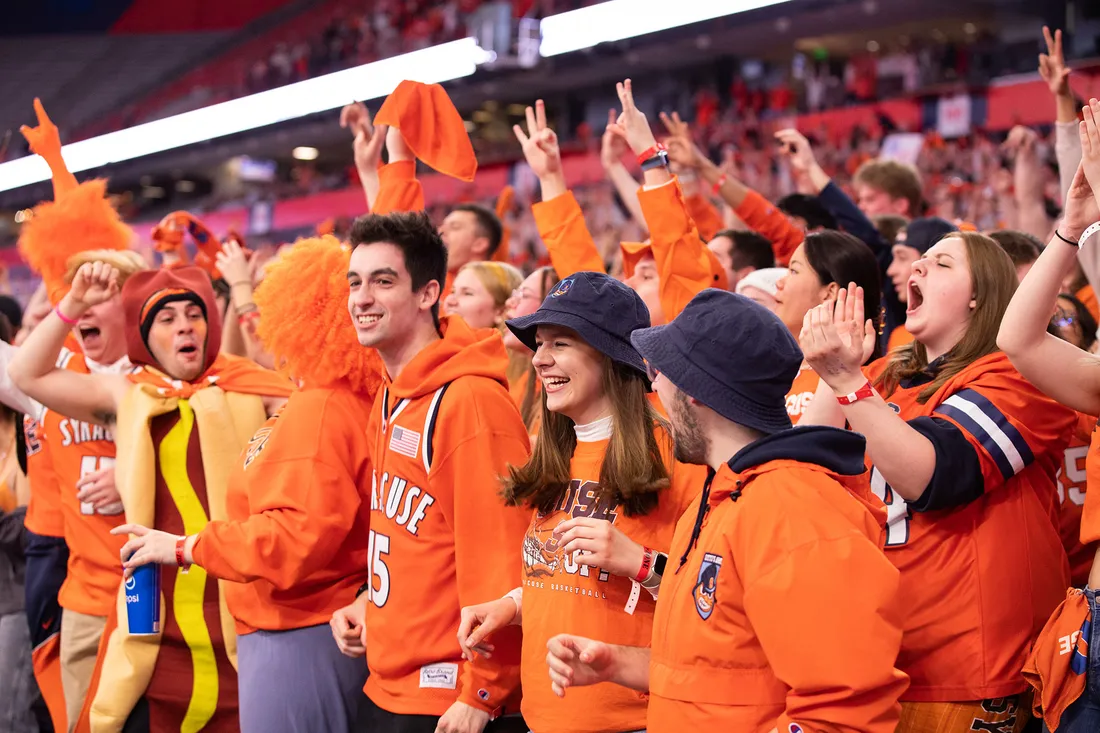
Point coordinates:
[[45, 141]]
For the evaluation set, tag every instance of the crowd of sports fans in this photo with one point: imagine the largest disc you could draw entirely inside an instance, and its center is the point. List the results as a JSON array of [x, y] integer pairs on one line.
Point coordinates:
[[808, 461]]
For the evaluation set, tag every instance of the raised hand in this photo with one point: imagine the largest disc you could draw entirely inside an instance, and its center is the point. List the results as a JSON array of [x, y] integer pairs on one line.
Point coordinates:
[[233, 263], [797, 149], [367, 141], [612, 146], [632, 126], [1052, 64], [675, 126], [836, 340], [45, 140], [94, 283], [1089, 131], [540, 143]]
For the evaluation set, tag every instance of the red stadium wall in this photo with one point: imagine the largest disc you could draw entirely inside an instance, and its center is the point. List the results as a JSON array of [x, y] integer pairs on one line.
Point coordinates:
[[187, 16]]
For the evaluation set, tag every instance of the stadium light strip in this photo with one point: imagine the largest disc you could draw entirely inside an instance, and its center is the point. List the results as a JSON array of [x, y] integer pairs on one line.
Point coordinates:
[[618, 20], [562, 33], [437, 64]]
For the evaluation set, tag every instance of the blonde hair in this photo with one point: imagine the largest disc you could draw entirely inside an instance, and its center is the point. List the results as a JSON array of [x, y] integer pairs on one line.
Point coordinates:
[[126, 261], [501, 280]]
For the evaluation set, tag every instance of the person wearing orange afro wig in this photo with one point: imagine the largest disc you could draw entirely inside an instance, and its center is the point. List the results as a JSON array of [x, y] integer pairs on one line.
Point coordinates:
[[179, 418], [295, 543]]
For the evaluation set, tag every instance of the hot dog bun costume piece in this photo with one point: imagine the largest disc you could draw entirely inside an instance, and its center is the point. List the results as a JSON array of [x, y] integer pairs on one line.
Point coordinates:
[[177, 442]]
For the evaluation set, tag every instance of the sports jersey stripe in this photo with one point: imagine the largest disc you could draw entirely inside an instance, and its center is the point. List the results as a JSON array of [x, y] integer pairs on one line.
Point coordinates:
[[429, 426], [984, 421]]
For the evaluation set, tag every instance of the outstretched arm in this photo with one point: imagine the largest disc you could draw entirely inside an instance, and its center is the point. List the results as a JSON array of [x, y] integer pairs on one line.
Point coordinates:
[[87, 397]]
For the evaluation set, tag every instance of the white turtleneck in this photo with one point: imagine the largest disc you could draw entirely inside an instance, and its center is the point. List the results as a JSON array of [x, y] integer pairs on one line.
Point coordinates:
[[594, 432]]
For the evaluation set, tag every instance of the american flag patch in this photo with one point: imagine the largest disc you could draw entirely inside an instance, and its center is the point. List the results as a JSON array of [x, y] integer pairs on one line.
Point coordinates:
[[404, 441]]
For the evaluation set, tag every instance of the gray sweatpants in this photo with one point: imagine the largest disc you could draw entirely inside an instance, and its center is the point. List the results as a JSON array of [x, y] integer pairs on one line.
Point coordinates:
[[17, 686], [297, 682]]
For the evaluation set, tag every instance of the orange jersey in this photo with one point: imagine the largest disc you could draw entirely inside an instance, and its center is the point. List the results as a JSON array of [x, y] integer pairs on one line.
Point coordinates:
[[441, 537], [562, 596], [802, 392], [1072, 482], [296, 540], [733, 646], [44, 516], [963, 641], [77, 449]]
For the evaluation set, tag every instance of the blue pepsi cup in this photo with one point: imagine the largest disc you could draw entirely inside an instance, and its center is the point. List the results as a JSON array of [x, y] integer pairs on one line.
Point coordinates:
[[143, 600]]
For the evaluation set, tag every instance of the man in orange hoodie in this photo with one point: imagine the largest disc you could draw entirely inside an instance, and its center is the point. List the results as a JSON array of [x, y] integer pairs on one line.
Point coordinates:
[[734, 648], [442, 433]]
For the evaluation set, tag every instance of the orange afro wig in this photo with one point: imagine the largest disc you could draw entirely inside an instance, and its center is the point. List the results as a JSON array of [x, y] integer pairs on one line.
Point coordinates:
[[81, 219], [304, 321]]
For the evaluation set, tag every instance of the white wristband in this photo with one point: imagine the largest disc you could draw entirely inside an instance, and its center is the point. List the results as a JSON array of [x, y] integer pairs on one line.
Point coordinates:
[[1093, 229]]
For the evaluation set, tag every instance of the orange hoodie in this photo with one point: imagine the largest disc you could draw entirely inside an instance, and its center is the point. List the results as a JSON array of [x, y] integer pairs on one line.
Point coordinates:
[[296, 540], [441, 537], [733, 646]]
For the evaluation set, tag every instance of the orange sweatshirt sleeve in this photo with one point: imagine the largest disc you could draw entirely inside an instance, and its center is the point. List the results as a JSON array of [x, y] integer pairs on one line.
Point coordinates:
[[302, 495], [687, 267], [398, 188], [487, 534], [706, 216], [566, 236], [839, 667], [760, 216]]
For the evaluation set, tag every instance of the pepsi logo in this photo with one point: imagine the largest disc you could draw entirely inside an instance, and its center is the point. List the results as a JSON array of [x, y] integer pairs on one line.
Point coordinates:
[[131, 583]]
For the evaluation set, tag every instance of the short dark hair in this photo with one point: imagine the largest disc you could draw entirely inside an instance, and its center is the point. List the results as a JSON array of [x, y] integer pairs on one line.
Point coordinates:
[[842, 258], [808, 208], [1022, 248], [488, 225], [417, 238], [749, 249]]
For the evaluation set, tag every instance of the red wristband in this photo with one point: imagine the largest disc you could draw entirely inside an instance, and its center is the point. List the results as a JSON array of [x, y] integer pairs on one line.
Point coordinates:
[[647, 563], [860, 394], [64, 318], [180, 560], [719, 183], [651, 153]]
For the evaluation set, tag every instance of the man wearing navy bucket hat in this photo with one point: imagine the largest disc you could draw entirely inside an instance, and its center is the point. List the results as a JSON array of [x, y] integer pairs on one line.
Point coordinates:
[[604, 493], [778, 610]]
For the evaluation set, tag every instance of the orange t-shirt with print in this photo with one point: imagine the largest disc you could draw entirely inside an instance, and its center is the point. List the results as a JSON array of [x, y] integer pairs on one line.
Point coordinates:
[[564, 596], [802, 392]]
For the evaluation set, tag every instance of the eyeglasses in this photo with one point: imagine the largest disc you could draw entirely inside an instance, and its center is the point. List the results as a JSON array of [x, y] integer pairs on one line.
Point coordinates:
[[1062, 319]]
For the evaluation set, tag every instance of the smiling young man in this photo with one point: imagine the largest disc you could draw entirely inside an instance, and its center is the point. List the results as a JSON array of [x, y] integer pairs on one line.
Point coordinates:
[[179, 418], [443, 431]]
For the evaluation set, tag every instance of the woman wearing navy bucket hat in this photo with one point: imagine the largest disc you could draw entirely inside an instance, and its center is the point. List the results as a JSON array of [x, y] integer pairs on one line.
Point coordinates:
[[605, 494]]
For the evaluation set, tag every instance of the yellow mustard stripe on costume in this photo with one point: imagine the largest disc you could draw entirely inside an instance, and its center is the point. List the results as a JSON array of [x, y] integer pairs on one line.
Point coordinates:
[[191, 586]]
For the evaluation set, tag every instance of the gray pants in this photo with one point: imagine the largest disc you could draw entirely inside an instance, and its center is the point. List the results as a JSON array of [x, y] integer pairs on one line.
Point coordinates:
[[18, 689], [297, 682]]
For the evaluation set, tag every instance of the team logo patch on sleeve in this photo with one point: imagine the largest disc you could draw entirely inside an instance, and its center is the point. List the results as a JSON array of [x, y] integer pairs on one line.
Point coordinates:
[[256, 445], [404, 441], [706, 585]]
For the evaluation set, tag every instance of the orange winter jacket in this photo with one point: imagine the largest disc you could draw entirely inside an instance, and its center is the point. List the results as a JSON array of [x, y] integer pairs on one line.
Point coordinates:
[[296, 539], [736, 644], [736, 647], [761, 216], [442, 433]]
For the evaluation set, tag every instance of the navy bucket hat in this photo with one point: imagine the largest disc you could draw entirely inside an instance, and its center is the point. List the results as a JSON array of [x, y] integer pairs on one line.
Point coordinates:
[[728, 353], [602, 310]]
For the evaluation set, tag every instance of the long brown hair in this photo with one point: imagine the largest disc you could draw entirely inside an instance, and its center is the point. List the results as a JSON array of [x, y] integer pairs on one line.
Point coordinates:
[[530, 408], [633, 469], [993, 281]]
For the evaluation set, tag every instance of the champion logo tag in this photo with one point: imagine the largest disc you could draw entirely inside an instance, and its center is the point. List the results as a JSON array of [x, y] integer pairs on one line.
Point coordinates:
[[404, 441], [794, 728], [483, 694]]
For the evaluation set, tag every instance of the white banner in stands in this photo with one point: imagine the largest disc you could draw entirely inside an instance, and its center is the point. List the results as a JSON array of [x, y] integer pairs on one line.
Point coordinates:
[[953, 116]]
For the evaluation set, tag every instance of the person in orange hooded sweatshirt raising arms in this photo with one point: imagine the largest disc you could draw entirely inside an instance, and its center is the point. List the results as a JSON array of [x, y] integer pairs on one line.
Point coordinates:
[[442, 432]]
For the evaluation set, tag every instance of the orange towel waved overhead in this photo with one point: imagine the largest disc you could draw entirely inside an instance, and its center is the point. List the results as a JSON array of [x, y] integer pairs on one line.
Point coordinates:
[[504, 203], [431, 126]]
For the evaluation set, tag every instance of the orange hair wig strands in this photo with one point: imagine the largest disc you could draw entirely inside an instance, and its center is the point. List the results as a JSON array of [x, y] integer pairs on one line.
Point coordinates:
[[304, 320], [81, 219]]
